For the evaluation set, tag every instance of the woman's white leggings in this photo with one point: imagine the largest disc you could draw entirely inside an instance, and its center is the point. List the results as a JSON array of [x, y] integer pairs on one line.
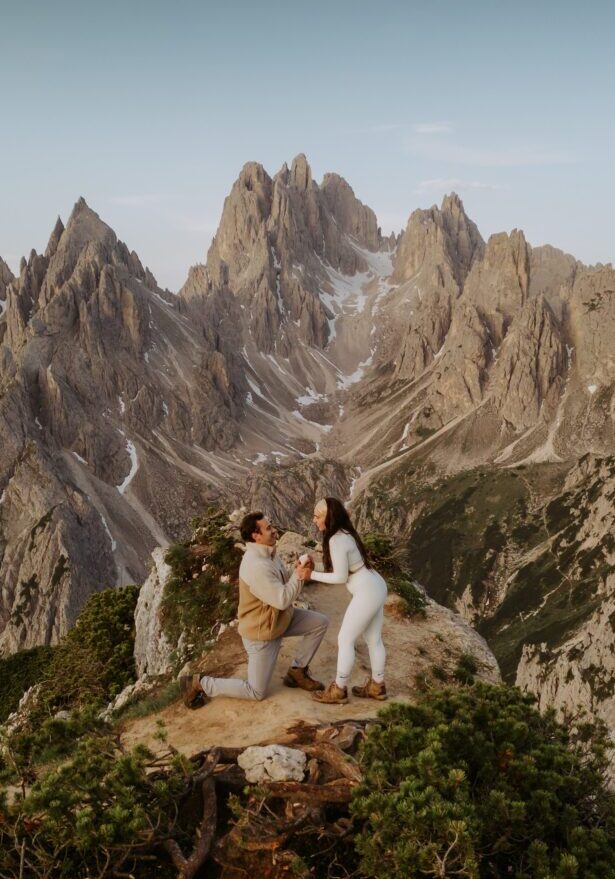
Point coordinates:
[[364, 616]]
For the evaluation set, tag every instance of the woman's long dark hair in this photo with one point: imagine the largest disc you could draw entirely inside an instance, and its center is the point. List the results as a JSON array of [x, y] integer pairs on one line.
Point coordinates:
[[337, 519]]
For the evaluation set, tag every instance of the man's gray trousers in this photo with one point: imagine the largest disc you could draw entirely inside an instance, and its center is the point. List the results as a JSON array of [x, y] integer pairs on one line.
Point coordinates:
[[262, 656]]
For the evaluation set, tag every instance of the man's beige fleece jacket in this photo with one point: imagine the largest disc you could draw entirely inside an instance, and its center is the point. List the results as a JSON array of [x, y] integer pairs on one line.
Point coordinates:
[[266, 594]]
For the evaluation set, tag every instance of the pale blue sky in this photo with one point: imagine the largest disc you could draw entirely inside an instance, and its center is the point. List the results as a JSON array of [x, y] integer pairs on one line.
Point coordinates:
[[149, 110]]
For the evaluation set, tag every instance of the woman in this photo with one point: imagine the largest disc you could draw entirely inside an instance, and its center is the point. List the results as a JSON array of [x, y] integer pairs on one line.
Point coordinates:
[[346, 562]]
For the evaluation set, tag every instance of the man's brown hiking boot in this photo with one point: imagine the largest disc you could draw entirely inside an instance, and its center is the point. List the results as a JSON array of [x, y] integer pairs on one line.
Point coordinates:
[[192, 691], [371, 690], [333, 695], [300, 677]]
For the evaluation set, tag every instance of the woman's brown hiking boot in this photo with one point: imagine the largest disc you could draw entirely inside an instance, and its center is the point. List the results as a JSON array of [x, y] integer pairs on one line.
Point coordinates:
[[333, 695], [300, 677], [371, 690]]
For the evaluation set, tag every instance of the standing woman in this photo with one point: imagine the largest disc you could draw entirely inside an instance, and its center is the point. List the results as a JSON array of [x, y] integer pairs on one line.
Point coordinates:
[[346, 561]]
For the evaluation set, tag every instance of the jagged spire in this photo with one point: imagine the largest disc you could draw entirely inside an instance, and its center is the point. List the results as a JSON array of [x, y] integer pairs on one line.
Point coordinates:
[[54, 238]]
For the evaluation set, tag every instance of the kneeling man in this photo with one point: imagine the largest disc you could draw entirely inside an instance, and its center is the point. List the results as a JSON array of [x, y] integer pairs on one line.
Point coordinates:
[[266, 615]]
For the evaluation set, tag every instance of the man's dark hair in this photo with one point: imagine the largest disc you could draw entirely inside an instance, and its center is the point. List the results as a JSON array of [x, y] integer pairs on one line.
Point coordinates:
[[249, 524]]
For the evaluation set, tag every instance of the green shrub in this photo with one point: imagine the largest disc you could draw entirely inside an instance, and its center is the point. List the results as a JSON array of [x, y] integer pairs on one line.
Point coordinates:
[[18, 673], [415, 600], [476, 783], [44, 740], [101, 813], [202, 589], [391, 560], [94, 661], [466, 669], [379, 547]]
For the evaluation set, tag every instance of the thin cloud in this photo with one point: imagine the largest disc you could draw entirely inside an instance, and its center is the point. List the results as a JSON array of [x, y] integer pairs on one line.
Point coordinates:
[[487, 157], [421, 128], [135, 201], [441, 184], [429, 128], [195, 225]]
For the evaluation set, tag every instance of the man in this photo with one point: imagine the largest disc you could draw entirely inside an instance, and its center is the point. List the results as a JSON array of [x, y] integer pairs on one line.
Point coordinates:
[[266, 615]]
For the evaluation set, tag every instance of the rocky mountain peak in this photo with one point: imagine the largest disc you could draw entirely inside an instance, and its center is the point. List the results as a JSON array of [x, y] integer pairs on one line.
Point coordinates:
[[452, 203], [300, 173], [498, 284], [277, 242], [355, 218], [6, 276], [54, 238], [444, 237], [83, 226], [253, 178]]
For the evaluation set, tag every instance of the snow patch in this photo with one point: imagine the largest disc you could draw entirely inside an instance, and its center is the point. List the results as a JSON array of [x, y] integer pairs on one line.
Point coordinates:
[[380, 262], [324, 427], [38, 424], [3, 307], [569, 350], [353, 483], [158, 296], [277, 266], [79, 458], [122, 405], [347, 296], [310, 397], [346, 381], [277, 365], [106, 527], [134, 464], [592, 389], [255, 387]]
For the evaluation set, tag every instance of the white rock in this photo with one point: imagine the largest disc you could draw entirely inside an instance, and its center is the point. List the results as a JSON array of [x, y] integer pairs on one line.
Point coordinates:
[[152, 647], [272, 763], [128, 694]]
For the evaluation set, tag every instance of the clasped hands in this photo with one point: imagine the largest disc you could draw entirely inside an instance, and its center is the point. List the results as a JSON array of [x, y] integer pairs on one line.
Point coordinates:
[[304, 569]]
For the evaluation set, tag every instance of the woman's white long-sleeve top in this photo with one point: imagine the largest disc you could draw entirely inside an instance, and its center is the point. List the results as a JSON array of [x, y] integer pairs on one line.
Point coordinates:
[[345, 559]]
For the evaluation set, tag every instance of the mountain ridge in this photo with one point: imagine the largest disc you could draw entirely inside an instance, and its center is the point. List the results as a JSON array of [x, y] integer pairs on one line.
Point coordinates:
[[308, 354]]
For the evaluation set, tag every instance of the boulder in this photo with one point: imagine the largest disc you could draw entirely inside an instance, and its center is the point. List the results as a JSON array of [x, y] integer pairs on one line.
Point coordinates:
[[272, 763]]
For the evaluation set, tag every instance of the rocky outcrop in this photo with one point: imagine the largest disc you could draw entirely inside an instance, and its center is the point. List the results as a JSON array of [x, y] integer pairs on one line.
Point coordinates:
[[153, 649], [577, 675], [526, 554], [6, 276], [54, 552]]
